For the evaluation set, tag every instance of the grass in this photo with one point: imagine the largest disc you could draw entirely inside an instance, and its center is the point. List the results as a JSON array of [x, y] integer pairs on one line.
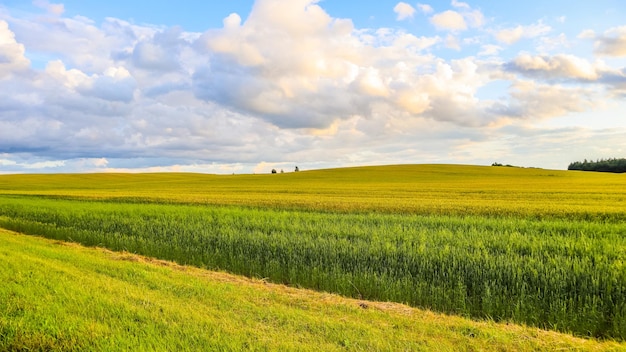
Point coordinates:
[[560, 274], [415, 189], [540, 247], [60, 296]]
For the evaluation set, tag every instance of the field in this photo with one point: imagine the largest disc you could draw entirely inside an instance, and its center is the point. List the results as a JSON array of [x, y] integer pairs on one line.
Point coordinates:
[[420, 189], [63, 297], [540, 247]]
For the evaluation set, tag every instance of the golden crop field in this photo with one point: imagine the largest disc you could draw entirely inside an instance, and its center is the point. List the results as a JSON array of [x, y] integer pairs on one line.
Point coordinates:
[[421, 189]]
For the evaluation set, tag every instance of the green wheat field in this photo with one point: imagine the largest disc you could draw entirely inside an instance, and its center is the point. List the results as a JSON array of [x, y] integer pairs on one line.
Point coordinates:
[[406, 257]]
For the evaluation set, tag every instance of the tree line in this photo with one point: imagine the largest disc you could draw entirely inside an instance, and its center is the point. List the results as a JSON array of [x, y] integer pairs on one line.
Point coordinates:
[[602, 165]]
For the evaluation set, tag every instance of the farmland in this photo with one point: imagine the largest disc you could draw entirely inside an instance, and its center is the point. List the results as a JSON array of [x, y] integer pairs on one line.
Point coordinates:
[[58, 296], [540, 247], [423, 189]]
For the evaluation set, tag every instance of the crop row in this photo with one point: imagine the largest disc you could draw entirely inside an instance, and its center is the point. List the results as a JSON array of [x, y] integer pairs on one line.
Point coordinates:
[[564, 275]]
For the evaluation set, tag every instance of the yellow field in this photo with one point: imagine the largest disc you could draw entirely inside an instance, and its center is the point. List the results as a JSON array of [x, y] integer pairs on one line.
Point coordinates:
[[424, 189]]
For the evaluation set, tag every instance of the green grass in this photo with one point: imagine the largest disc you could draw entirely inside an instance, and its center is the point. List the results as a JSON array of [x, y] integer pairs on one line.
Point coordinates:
[[58, 296], [540, 247], [559, 274]]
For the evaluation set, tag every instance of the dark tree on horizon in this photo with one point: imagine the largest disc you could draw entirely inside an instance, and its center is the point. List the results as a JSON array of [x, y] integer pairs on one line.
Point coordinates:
[[601, 165]]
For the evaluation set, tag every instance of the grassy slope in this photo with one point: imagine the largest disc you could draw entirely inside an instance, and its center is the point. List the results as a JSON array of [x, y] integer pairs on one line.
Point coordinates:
[[427, 189], [66, 297]]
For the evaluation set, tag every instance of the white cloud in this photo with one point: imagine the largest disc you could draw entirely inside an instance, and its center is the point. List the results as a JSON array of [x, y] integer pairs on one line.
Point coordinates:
[[69, 78], [570, 69], [474, 18], [512, 35], [44, 164], [459, 4], [533, 100], [610, 43], [452, 42], [403, 10], [489, 50], [232, 21], [281, 86], [77, 41], [558, 42], [54, 9], [425, 8], [559, 66], [100, 162], [7, 162], [314, 75], [12, 59], [463, 18], [449, 20], [116, 84], [587, 34], [153, 57]]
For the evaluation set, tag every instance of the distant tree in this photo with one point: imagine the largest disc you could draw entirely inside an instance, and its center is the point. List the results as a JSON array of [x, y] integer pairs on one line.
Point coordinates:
[[273, 171], [600, 165], [297, 169], [281, 171], [496, 164]]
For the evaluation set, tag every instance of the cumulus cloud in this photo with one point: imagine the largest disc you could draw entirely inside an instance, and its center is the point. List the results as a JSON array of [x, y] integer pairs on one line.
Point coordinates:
[[587, 34], [425, 8], [449, 20], [532, 100], [489, 50], [558, 66], [153, 57], [279, 87], [315, 71], [610, 43], [512, 35], [12, 59], [559, 42], [452, 42], [474, 18], [569, 69], [461, 19], [403, 10], [115, 84], [44, 164], [159, 52], [77, 41], [460, 4], [54, 9]]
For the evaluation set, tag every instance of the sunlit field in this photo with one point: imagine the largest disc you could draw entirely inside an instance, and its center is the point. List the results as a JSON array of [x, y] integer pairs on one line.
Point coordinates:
[[57, 296], [540, 247], [421, 189]]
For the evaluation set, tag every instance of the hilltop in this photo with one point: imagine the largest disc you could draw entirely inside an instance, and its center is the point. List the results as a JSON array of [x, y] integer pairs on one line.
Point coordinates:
[[418, 189]]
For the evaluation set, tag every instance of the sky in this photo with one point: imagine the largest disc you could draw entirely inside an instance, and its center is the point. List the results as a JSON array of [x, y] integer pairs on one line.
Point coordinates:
[[247, 86]]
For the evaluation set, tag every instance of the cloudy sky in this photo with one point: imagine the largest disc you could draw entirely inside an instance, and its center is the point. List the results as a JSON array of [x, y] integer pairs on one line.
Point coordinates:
[[246, 86]]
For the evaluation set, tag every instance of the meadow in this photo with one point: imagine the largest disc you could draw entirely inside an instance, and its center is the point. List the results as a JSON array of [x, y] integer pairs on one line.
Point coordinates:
[[539, 247], [58, 296]]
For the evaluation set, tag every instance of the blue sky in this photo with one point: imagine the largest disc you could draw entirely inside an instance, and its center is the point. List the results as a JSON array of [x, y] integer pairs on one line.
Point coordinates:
[[247, 86]]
